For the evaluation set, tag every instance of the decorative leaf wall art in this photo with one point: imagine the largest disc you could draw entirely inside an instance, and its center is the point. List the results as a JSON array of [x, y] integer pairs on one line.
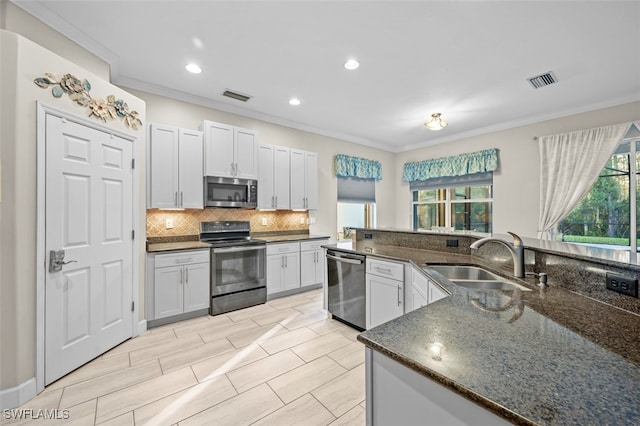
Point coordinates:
[[78, 91]]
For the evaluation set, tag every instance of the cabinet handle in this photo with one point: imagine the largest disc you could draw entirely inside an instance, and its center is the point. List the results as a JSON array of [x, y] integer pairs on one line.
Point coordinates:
[[181, 198], [286, 262], [186, 280], [399, 291], [181, 276], [276, 201], [273, 204], [176, 199], [385, 270], [282, 262]]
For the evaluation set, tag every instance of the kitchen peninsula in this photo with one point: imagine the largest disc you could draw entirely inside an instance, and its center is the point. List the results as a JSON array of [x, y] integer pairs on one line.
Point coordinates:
[[563, 359]]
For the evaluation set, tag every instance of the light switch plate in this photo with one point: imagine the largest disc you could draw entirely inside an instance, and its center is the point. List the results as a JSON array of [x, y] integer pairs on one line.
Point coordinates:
[[168, 223], [264, 221]]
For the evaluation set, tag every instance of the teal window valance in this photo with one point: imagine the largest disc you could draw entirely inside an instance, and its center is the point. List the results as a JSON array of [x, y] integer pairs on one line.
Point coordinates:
[[346, 166], [457, 165]]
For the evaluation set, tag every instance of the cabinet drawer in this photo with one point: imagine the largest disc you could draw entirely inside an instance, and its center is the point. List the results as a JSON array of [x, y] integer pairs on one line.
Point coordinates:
[[386, 269], [312, 245], [276, 248], [182, 258]]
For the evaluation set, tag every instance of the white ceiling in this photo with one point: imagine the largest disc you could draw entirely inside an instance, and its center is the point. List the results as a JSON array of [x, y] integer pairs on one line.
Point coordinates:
[[468, 60]]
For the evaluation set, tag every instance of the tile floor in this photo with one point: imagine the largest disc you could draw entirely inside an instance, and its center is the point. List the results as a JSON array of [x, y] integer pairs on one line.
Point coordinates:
[[281, 363]]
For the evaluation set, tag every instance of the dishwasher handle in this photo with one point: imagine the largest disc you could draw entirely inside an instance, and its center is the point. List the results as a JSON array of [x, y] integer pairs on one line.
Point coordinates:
[[345, 259]]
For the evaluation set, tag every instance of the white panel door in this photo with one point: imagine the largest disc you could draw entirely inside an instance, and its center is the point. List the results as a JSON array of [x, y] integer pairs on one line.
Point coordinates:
[[168, 291], [196, 287], [89, 209], [191, 169]]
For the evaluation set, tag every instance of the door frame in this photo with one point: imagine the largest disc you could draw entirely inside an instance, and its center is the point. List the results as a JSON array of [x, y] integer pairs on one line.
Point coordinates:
[[41, 262]]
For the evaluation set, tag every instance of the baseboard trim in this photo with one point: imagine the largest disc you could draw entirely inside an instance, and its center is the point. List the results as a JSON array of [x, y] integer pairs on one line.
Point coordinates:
[[18, 395], [142, 327]]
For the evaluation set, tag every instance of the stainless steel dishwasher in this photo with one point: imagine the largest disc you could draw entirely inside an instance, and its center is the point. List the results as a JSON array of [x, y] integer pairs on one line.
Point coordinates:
[[346, 296]]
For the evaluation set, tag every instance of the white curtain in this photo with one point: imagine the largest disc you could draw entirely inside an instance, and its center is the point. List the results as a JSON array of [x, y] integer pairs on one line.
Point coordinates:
[[570, 163]]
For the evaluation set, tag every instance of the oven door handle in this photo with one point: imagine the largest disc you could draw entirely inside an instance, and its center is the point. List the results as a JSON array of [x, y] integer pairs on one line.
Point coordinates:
[[239, 248]]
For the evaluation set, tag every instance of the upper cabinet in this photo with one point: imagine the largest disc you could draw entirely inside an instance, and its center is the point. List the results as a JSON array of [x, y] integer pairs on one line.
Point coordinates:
[[230, 151], [304, 180], [273, 177], [175, 168]]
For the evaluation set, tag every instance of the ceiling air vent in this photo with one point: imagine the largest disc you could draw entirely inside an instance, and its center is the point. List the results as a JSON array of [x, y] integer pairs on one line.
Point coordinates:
[[235, 95], [542, 80]]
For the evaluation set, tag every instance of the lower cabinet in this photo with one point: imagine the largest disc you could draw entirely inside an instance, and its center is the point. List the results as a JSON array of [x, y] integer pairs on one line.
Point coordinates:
[[179, 284], [397, 395], [384, 290], [422, 292], [292, 266], [312, 262], [283, 267]]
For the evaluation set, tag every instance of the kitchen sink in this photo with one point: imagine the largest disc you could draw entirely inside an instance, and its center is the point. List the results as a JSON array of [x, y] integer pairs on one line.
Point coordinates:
[[475, 278], [453, 272], [489, 285]]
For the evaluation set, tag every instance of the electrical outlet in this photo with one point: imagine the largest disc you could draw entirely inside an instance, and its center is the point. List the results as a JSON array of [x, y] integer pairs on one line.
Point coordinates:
[[168, 223], [368, 236], [302, 219], [452, 243], [264, 221], [622, 284]]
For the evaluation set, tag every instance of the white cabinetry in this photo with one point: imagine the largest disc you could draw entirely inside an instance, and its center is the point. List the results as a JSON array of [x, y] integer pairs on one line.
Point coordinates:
[[423, 291], [273, 177], [283, 267], [230, 151], [312, 262], [180, 283], [398, 395], [304, 180], [385, 291], [175, 177]]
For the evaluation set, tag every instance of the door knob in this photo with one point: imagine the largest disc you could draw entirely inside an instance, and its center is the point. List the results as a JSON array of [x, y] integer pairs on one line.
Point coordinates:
[[56, 260]]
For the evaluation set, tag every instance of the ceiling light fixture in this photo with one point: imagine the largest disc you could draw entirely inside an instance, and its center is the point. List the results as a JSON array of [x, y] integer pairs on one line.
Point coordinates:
[[193, 68], [351, 64], [436, 122], [294, 101]]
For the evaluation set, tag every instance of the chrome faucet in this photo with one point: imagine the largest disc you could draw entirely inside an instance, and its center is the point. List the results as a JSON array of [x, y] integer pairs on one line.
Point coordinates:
[[516, 249]]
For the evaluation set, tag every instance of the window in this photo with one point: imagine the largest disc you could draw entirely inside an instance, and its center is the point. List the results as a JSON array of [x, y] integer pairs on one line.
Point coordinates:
[[356, 204], [462, 208], [609, 214]]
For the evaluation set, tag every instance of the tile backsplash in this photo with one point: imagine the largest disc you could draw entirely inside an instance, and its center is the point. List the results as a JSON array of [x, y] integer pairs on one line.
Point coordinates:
[[187, 222]]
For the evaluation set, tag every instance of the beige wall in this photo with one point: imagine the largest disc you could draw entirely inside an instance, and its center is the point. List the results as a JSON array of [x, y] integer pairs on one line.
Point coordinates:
[[516, 187], [22, 62]]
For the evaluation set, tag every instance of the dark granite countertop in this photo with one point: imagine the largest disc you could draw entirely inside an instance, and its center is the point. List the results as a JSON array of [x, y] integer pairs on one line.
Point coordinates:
[[290, 238], [545, 356], [179, 245]]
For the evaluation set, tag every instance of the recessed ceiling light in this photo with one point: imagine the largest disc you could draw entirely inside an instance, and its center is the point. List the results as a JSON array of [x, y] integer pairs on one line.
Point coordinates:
[[193, 68], [294, 101], [351, 64]]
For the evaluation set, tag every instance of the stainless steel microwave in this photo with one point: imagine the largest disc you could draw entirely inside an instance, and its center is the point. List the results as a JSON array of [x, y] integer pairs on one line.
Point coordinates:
[[230, 192]]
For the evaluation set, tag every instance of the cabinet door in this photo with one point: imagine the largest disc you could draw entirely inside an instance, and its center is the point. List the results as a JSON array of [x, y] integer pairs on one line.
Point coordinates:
[[245, 154], [281, 178], [308, 265], [296, 182], [162, 190], [191, 169], [275, 267], [266, 189], [311, 180], [168, 291], [291, 276], [218, 149], [418, 299], [196, 287], [435, 293], [384, 301]]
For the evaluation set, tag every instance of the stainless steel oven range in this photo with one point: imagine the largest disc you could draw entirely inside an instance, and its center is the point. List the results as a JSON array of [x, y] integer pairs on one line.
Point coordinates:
[[237, 266]]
